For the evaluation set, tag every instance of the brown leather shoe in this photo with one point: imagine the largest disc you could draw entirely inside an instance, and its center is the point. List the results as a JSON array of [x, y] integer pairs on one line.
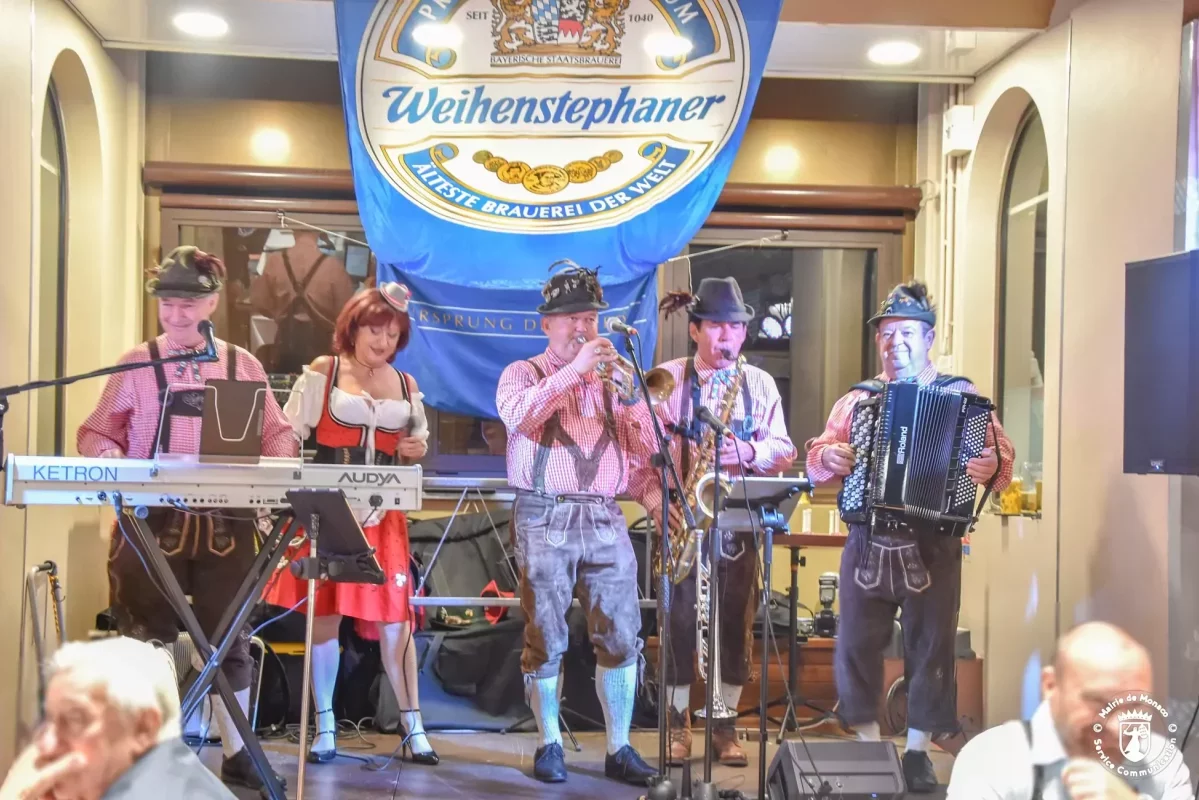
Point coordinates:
[[725, 748], [680, 737]]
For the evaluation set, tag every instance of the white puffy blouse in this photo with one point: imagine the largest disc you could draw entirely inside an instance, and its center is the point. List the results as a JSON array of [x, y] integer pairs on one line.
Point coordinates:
[[307, 400]]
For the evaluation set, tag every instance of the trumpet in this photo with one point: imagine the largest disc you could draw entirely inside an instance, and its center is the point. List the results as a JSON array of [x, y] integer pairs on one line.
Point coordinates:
[[621, 376]]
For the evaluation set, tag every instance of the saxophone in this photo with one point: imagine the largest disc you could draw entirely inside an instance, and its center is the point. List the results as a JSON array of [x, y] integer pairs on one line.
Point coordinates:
[[705, 603], [684, 544]]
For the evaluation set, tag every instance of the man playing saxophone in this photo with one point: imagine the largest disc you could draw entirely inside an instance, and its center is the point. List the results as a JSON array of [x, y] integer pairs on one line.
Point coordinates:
[[748, 401], [572, 448]]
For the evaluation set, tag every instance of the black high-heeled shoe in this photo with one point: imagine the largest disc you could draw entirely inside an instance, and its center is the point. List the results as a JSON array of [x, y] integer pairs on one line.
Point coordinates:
[[324, 756], [430, 758]]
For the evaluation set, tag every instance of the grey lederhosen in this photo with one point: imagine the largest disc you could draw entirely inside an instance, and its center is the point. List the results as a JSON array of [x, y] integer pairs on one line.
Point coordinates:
[[575, 542], [919, 572]]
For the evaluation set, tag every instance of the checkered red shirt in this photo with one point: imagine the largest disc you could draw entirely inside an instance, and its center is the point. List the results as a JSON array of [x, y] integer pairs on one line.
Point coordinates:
[[773, 450], [841, 416], [128, 413], [526, 402]]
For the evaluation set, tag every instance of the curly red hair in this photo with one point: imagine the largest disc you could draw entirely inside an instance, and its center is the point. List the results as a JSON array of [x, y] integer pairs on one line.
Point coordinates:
[[370, 309]]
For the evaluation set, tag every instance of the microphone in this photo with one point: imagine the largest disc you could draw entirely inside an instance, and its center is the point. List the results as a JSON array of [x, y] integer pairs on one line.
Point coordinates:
[[209, 354], [616, 326], [710, 419]]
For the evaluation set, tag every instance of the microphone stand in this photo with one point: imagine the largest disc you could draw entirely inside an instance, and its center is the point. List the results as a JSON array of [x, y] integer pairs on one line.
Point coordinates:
[[706, 790], [661, 787], [6, 392]]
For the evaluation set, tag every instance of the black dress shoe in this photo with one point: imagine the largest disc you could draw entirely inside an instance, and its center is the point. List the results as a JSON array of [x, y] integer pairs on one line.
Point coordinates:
[[627, 765], [918, 772], [239, 771], [549, 764], [428, 758]]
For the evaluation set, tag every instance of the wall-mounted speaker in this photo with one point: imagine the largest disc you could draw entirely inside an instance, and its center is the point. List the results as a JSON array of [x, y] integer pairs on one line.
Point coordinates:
[[853, 770]]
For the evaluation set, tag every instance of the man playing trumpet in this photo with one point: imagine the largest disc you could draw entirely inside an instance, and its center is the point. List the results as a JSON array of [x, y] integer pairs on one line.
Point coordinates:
[[717, 376], [572, 447]]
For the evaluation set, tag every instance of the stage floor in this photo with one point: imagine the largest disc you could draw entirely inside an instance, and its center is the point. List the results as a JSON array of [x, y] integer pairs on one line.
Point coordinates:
[[479, 765]]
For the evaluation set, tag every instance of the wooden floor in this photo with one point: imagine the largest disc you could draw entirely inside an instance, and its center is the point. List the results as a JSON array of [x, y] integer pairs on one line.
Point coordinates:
[[490, 765]]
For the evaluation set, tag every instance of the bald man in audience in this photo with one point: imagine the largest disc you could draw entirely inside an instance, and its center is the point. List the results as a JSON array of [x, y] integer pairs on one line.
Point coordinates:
[[1056, 755]]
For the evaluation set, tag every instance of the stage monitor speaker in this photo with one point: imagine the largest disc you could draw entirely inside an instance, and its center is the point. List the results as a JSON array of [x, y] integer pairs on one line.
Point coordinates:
[[1161, 365], [853, 770]]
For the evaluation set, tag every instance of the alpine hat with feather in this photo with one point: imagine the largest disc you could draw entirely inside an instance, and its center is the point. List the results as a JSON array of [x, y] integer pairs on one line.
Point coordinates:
[[571, 290], [907, 301], [187, 273]]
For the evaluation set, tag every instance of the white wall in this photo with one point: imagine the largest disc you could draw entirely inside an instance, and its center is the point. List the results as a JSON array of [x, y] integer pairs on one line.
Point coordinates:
[[101, 100], [1105, 82]]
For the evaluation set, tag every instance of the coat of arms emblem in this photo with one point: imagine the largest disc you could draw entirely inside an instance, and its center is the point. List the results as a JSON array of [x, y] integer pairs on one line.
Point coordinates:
[[547, 32]]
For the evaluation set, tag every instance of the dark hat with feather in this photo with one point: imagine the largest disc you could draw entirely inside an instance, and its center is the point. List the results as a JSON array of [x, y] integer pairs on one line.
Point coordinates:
[[187, 273], [907, 301], [571, 290], [716, 300]]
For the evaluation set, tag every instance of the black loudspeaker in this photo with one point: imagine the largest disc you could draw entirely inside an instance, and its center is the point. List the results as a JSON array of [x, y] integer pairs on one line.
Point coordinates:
[[1161, 365], [853, 770]]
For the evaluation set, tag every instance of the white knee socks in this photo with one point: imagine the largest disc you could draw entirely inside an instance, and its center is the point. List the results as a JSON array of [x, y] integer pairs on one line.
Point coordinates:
[[231, 741], [919, 740], [543, 699], [616, 689], [731, 695], [680, 697], [869, 732]]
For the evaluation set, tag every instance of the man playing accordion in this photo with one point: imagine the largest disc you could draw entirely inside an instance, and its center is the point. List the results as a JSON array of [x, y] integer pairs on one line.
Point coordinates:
[[717, 320], [913, 567]]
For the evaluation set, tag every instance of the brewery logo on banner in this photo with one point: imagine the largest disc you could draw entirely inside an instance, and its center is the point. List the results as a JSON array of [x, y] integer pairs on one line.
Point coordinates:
[[548, 116]]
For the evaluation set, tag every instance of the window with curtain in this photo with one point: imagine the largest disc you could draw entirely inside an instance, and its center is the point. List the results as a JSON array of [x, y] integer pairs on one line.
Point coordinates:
[[1020, 387], [51, 276]]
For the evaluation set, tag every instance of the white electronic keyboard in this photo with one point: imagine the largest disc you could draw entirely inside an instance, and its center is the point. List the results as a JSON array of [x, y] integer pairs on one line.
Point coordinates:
[[185, 482]]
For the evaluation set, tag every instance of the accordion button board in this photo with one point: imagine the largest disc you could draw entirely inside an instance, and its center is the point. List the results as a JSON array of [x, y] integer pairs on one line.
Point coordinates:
[[912, 444]]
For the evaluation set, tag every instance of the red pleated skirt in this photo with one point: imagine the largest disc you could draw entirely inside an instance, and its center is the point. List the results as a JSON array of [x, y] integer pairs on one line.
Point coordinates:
[[362, 601]]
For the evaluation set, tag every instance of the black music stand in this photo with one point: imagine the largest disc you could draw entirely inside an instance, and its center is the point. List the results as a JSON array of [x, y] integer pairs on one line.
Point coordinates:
[[758, 505], [337, 551]]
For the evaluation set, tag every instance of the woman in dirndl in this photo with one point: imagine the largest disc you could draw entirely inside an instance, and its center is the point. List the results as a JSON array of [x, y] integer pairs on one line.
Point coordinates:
[[363, 411]]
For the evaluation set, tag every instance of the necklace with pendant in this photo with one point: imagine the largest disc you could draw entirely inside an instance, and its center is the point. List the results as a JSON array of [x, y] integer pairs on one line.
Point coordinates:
[[370, 371]]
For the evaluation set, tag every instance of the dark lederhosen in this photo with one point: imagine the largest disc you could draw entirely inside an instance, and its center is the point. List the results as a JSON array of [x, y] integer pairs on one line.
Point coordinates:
[[916, 569], [299, 339], [209, 555], [738, 566], [570, 543]]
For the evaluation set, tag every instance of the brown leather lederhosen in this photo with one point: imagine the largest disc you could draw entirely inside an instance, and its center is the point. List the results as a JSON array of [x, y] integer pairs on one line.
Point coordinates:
[[586, 466], [209, 555]]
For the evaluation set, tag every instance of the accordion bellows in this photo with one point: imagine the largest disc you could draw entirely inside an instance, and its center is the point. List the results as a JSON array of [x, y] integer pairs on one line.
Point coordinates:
[[912, 443]]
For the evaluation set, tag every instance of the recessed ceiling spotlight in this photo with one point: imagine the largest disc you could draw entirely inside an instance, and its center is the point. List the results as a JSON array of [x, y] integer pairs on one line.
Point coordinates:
[[201, 24], [437, 34], [893, 54]]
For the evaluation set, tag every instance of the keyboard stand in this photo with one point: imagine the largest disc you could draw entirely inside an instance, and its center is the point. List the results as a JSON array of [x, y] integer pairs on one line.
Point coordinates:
[[142, 539]]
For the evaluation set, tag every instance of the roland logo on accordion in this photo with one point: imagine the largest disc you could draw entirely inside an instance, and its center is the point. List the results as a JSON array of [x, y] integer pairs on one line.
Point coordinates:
[[912, 444]]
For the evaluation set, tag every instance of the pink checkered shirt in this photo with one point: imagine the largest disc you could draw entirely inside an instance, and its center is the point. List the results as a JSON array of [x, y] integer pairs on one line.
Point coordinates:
[[773, 450], [526, 403], [128, 413], [837, 430]]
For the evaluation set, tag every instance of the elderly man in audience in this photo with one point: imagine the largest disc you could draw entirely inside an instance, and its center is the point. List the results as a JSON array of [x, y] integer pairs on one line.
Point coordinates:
[[111, 731], [1059, 753]]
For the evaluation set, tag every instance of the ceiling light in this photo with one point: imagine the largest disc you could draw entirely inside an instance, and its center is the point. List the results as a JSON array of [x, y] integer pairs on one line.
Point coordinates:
[[781, 159], [667, 45], [434, 34], [201, 24], [271, 145], [893, 54]]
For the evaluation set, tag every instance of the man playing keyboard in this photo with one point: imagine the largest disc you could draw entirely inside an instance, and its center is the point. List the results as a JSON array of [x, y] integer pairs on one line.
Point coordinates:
[[209, 554]]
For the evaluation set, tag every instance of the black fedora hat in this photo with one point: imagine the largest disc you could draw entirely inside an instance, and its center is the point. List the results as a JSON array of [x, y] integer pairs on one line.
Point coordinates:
[[187, 273], [907, 301], [720, 300], [571, 290]]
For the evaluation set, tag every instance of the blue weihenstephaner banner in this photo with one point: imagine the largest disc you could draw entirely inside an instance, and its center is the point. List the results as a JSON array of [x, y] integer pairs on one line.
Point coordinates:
[[492, 138]]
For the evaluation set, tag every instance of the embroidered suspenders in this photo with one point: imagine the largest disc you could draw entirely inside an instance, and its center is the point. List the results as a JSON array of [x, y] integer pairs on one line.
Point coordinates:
[[186, 403], [552, 433]]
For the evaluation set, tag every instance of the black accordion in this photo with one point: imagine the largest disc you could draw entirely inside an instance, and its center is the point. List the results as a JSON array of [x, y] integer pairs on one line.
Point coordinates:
[[912, 443]]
